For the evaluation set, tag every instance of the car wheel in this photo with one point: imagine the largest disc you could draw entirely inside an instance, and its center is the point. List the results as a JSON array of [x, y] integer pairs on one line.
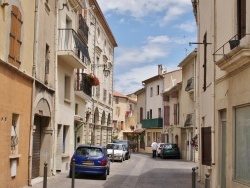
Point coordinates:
[[108, 171], [121, 159], [104, 176]]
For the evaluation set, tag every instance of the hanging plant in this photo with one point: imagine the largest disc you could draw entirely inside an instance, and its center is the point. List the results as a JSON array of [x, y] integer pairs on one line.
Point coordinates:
[[92, 80]]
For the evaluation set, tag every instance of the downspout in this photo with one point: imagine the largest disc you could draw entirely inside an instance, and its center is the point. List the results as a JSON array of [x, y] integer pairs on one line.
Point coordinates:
[[35, 49], [56, 88]]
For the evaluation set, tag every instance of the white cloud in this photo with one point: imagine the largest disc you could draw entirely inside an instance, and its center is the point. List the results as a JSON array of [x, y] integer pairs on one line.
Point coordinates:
[[142, 8], [188, 26]]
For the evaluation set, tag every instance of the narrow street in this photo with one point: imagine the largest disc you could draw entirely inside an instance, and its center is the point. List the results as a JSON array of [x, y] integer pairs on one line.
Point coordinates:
[[141, 171]]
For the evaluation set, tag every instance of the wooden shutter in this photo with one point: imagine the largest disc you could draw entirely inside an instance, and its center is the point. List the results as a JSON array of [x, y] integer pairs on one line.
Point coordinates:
[[15, 37], [206, 146], [241, 18], [166, 115], [175, 114]]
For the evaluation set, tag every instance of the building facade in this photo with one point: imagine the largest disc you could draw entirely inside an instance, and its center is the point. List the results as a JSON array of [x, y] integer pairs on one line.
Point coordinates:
[[223, 63], [16, 88]]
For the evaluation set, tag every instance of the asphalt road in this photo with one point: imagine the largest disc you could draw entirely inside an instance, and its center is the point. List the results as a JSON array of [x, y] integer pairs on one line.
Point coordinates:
[[141, 171]]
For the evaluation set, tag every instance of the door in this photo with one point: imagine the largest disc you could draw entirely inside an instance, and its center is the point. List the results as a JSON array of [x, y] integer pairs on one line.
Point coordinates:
[[36, 147], [223, 149]]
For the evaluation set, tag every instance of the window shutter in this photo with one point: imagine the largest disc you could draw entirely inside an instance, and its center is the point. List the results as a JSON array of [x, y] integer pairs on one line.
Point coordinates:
[[175, 114], [15, 37], [206, 146], [166, 115]]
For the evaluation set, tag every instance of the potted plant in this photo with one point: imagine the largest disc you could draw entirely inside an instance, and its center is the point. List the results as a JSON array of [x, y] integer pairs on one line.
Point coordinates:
[[92, 80]]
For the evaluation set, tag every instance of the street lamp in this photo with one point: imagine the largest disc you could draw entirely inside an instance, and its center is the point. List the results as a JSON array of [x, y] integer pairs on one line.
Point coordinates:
[[106, 70]]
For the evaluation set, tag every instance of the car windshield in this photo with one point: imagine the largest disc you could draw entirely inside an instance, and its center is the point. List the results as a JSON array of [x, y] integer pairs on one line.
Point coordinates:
[[118, 147], [89, 151], [125, 143]]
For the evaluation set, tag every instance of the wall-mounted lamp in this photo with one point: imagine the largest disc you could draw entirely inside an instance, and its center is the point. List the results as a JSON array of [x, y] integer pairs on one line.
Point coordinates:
[[106, 70], [4, 4], [65, 5]]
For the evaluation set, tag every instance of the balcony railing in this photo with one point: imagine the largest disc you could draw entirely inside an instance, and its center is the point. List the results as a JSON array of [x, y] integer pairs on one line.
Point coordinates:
[[69, 40], [152, 123], [190, 84], [230, 44], [83, 29], [82, 85]]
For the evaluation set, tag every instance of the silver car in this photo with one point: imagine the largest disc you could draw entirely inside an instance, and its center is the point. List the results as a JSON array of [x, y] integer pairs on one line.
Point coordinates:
[[116, 151], [159, 148]]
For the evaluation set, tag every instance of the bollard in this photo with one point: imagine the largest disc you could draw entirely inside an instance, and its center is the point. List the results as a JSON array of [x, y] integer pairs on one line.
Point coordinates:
[[113, 155], [207, 180], [73, 173], [45, 176], [194, 177]]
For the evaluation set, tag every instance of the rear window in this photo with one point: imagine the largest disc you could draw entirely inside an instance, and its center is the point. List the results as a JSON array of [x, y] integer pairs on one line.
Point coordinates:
[[110, 146], [89, 152], [118, 147], [170, 146]]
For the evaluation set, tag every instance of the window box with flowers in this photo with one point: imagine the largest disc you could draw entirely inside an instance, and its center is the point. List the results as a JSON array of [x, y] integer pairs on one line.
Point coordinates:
[[92, 80]]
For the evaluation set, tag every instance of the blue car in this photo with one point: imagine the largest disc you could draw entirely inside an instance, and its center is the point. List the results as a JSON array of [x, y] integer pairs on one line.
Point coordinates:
[[91, 160]]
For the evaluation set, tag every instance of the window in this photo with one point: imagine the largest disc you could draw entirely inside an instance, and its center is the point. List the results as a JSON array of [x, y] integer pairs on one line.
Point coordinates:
[[242, 147], [98, 91], [159, 112], [110, 98], [151, 92], [150, 114], [47, 51], [158, 90], [176, 114], [15, 37], [65, 139], [241, 18], [76, 109], [149, 139], [104, 95], [166, 115], [206, 146], [14, 133], [141, 114], [117, 112], [116, 100], [67, 88]]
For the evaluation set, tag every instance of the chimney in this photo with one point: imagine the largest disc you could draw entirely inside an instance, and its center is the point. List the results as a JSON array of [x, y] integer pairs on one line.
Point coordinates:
[[159, 69]]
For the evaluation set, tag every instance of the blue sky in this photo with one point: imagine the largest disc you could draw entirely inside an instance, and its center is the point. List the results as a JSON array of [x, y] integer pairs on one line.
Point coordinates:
[[148, 33]]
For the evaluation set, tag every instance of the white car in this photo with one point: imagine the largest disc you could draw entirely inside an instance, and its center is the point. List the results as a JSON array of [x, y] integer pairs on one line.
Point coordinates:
[[158, 150], [118, 150]]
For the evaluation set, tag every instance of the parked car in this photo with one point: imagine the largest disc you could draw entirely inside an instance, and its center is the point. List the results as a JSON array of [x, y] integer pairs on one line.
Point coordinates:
[[158, 150], [119, 151], [91, 159], [127, 145], [170, 150]]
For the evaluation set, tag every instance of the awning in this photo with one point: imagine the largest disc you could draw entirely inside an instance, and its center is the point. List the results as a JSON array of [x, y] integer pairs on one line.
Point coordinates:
[[138, 131]]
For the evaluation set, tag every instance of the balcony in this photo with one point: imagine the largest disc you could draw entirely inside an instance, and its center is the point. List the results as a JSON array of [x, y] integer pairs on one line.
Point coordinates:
[[234, 53], [152, 123], [76, 5], [83, 89], [190, 85], [83, 30], [189, 120], [71, 49]]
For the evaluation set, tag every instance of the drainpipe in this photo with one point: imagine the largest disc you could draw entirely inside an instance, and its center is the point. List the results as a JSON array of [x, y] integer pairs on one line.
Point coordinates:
[[56, 88], [35, 48]]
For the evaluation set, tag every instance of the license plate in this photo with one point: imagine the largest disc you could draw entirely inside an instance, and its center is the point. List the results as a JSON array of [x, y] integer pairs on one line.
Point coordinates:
[[88, 163]]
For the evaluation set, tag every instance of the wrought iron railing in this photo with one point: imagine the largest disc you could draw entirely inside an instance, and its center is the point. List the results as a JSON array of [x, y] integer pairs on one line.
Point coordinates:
[[83, 28], [82, 85], [230, 44], [69, 40]]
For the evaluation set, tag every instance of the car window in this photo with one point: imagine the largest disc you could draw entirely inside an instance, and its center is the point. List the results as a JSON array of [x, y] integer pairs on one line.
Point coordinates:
[[168, 146], [89, 151], [110, 146], [118, 147]]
